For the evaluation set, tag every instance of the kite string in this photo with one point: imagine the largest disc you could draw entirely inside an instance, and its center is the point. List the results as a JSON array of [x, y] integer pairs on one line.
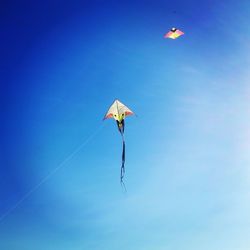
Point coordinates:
[[68, 158]]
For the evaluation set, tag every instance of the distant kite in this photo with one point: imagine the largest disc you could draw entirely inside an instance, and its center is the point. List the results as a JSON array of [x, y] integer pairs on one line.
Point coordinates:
[[119, 111], [173, 33]]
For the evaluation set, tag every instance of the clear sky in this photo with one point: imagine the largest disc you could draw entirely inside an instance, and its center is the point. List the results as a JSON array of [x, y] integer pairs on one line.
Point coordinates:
[[187, 159]]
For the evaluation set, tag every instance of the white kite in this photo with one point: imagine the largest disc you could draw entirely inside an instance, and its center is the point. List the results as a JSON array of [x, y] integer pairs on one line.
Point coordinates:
[[119, 112]]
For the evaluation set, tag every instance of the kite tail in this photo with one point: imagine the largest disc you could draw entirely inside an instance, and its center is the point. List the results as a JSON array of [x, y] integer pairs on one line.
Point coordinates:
[[123, 163]]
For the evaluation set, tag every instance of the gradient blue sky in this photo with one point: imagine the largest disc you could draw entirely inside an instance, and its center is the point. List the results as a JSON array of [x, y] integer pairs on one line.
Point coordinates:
[[188, 161]]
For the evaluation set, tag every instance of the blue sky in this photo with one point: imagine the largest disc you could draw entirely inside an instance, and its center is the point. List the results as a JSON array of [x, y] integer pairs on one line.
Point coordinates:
[[187, 161]]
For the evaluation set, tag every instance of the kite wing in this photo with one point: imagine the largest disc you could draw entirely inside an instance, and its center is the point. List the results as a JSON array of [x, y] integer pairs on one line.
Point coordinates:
[[118, 111], [173, 33]]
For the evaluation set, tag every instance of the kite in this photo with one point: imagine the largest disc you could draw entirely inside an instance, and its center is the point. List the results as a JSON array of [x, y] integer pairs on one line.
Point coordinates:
[[119, 111], [173, 33]]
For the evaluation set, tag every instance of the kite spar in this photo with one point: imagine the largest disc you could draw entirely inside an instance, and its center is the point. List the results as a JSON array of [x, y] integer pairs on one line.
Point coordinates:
[[119, 111]]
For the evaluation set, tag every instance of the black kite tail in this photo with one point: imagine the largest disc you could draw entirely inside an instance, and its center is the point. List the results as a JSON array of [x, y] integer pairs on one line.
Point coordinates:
[[123, 160], [123, 164], [121, 126]]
